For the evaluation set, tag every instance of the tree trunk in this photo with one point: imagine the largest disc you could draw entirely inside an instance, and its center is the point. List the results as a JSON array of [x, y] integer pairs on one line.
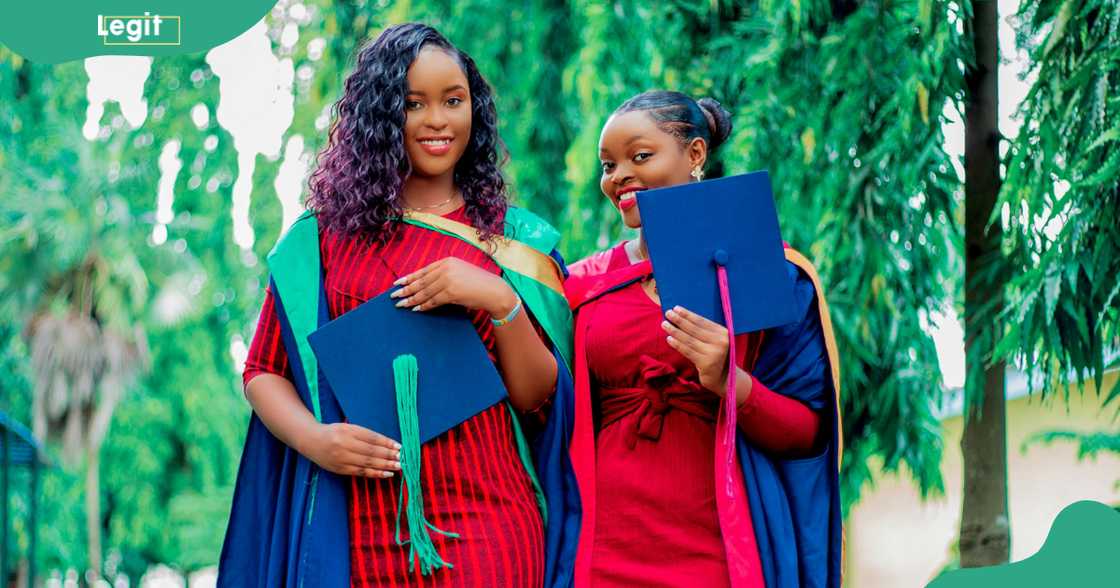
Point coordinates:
[[93, 511], [985, 527]]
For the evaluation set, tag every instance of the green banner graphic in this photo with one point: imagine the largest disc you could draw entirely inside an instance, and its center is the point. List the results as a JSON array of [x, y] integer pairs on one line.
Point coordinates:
[[1079, 551], [49, 33]]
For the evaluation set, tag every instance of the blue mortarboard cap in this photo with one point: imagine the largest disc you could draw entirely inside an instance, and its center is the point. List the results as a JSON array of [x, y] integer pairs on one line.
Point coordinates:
[[455, 378], [691, 228]]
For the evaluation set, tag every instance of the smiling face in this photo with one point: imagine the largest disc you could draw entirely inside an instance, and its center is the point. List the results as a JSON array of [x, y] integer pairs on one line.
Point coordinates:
[[635, 154], [437, 125]]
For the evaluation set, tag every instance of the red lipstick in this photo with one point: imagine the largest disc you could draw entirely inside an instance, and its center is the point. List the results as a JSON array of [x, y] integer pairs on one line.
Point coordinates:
[[627, 203]]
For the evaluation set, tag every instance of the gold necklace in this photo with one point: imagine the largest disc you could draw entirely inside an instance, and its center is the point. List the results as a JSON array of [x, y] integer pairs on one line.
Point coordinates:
[[433, 206]]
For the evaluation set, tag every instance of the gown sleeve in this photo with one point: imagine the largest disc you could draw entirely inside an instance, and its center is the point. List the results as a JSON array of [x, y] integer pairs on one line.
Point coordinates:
[[266, 351], [790, 380]]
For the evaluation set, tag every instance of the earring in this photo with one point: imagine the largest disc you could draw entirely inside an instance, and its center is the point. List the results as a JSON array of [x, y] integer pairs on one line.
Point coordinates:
[[697, 173]]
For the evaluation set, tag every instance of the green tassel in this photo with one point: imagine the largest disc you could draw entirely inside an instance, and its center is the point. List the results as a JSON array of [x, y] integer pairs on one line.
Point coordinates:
[[421, 548]]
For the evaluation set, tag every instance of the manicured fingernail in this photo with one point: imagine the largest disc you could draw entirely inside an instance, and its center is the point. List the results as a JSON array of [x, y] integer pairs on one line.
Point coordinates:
[[396, 465], [400, 281], [402, 303], [397, 446], [386, 474], [416, 308], [396, 293], [665, 325], [678, 309]]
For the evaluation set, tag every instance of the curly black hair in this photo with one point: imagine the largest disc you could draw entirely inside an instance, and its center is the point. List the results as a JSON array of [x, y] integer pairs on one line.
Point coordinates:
[[356, 186]]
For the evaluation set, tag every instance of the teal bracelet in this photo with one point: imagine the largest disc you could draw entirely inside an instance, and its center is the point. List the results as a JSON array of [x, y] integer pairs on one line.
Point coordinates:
[[509, 317]]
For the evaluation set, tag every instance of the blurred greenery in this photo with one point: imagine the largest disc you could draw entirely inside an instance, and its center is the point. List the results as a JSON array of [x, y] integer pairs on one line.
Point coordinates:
[[844, 102], [1061, 198], [1089, 445]]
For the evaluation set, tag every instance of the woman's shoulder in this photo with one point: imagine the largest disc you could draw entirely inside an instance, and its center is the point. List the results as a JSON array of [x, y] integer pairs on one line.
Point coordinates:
[[297, 239], [308, 243], [595, 264], [592, 275]]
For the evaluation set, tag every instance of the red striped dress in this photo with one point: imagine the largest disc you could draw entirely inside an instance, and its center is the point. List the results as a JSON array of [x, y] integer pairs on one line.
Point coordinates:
[[474, 481]]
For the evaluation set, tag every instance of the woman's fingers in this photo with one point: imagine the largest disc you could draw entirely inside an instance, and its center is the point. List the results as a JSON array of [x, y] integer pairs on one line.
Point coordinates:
[[414, 287], [687, 351], [371, 451], [696, 325], [695, 341], [430, 296], [407, 290], [367, 472], [437, 300], [448, 281], [355, 464], [690, 333], [352, 450], [420, 273], [364, 461], [372, 437], [679, 334], [379, 463]]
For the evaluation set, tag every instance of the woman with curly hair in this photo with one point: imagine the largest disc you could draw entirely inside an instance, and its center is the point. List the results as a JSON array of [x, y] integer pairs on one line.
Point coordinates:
[[407, 194]]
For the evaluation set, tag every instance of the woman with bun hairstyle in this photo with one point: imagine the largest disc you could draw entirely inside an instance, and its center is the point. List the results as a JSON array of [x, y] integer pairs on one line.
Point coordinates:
[[648, 388]]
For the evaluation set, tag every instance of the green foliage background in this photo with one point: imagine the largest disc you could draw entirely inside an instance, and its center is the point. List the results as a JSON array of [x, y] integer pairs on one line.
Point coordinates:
[[844, 103]]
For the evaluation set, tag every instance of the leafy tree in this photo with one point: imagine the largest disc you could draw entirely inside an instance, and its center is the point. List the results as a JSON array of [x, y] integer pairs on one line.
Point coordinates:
[[1062, 196], [1043, 247], [985, 532], [1089, 445], [844, 105], [68, 254], [178, 438]]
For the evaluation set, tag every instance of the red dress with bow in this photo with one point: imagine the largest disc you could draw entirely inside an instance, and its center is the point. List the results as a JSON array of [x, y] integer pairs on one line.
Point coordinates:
[[656, 522]]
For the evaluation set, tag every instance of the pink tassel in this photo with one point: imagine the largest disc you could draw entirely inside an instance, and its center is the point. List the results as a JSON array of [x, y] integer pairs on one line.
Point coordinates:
[[730, 497]]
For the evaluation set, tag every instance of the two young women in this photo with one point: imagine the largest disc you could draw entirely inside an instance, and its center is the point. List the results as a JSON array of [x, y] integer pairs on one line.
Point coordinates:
[[408, 196]]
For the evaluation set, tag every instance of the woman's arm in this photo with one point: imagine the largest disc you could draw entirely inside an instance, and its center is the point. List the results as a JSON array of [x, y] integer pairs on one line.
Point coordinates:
[[341, 448], [773, 422], [528, 368]]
